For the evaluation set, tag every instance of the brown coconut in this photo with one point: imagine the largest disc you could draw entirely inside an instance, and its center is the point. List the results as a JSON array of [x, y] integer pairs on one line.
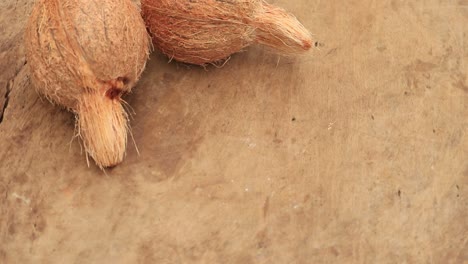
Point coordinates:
[[207, 31], [84, 55]]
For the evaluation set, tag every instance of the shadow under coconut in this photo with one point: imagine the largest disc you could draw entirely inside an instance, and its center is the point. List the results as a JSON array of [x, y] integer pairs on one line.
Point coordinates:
[[165, 124], [176, 106]]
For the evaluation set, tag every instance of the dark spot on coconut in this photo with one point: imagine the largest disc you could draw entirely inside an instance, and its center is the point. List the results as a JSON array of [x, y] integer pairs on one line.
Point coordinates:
[[113, 93], [124, 80], [110, 167]]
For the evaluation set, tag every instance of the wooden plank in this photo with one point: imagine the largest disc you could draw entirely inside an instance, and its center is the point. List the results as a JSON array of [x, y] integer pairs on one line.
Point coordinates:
[[355, 153]]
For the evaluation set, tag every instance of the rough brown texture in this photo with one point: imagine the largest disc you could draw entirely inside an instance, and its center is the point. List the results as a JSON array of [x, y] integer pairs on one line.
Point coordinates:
[[84, 55], [209, 31], [356, 154]]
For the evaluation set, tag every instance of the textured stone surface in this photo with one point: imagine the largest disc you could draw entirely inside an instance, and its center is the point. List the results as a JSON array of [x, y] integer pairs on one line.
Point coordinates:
[[355, 153]]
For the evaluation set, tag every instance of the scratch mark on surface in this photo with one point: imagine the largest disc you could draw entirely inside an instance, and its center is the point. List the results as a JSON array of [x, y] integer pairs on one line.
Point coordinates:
[[22, 198]]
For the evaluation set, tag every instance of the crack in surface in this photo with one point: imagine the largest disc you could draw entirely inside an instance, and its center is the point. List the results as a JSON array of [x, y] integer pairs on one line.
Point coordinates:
[[9, 88], [7, 99]]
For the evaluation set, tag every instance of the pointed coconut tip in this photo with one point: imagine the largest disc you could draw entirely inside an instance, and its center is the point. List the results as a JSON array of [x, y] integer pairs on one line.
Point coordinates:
[[281, 31], [103, 127]]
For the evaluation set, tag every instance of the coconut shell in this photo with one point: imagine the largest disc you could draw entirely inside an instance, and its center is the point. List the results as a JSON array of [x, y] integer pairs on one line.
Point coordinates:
[[207, 31], [84, 55]]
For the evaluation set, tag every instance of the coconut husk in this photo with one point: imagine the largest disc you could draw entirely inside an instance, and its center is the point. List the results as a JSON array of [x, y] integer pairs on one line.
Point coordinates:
[[84, 55], [207, 31]]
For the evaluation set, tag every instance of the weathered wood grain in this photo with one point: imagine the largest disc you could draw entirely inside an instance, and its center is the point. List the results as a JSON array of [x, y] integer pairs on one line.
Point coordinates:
[[356, 153]]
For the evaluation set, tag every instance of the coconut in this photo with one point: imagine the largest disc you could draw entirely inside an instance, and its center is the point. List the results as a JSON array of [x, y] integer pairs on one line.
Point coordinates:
[[207, 31], [84, 55]]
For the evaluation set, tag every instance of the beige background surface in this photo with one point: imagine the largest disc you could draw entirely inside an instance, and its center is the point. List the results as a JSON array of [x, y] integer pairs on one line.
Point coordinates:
[[355, 153]]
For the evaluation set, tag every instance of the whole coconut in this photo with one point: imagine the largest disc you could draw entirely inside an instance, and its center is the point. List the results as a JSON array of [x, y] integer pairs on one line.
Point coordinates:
[[84, 55], [207, 31]]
